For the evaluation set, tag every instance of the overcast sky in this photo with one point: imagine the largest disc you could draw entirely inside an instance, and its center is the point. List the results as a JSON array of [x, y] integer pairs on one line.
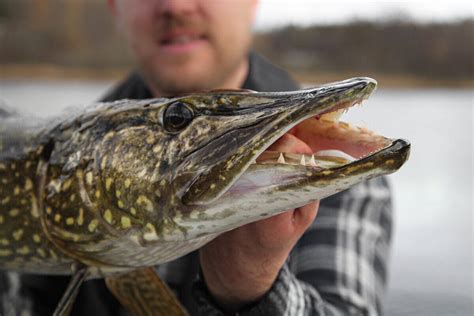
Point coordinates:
[[303, 12]]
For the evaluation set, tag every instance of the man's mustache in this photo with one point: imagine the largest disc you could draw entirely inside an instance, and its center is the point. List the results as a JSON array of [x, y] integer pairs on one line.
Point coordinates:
[[170, 24]]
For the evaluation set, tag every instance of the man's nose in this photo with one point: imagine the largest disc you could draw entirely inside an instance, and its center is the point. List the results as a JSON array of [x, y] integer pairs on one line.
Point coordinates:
[[178, 7]]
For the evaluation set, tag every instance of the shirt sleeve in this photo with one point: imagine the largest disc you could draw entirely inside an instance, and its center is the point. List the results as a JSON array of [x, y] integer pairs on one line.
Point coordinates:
[[338, 267]]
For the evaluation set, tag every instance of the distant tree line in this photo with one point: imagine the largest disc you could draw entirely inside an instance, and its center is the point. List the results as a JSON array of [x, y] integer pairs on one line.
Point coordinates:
[[81, 33], [396, 47], [69, 33]]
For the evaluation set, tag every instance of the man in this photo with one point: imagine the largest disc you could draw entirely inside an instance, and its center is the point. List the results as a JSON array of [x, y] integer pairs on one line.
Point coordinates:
[[337, 267]]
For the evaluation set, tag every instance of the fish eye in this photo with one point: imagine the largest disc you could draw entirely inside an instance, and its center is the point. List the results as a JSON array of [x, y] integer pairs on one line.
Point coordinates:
[[177, 116]]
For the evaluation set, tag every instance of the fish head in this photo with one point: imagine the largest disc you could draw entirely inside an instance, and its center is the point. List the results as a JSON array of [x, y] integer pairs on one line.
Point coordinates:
[[208, 169]]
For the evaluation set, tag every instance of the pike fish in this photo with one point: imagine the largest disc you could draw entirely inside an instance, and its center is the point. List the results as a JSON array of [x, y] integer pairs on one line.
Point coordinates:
[[107, 190]]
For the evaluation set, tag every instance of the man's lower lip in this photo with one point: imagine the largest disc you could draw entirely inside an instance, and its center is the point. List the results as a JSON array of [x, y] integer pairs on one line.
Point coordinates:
[[182, 48]]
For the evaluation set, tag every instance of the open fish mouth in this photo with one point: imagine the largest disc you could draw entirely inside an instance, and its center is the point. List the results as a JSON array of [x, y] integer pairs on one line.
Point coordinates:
[[334, 143], [340, 151], [342, 154]]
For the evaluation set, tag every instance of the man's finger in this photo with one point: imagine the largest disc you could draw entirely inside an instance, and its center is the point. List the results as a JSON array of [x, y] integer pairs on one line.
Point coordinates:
[[304, 216]]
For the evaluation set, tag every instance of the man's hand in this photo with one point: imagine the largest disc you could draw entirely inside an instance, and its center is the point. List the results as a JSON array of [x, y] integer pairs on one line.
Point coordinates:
[[241, 265]]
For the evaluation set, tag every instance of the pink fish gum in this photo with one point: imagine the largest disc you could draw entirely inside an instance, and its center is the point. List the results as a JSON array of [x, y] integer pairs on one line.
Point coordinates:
[[320, 134]]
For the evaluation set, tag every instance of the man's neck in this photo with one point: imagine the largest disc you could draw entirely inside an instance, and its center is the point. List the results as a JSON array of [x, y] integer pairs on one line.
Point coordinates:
[[237, 78], [233, 81]]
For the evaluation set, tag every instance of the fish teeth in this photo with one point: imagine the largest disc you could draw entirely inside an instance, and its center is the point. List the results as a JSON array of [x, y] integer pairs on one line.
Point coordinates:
[[332, 117], [303, 161], [281, 159], [312, 161]]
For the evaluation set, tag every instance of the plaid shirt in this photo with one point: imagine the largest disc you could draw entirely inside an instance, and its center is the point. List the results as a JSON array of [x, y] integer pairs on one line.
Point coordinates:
[[338, 267]]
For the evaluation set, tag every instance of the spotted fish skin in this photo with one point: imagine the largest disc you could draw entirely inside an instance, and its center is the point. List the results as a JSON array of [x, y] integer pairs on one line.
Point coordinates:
[[123, 185], [76, 189], [23, 243], [68, 189]]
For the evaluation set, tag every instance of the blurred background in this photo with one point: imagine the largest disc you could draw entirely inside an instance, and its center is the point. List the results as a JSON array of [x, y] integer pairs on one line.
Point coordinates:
[[56, 53]]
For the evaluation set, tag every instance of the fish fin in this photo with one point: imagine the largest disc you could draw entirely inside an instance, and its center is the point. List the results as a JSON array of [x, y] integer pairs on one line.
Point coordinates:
[[69, 297], [142, 292]]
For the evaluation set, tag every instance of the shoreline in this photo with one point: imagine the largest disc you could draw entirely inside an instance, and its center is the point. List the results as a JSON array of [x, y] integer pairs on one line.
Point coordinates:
[[22, 72]]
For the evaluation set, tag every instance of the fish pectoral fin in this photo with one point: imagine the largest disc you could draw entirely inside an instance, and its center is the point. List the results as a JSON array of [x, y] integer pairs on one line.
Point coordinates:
[[142, 292], [69, 297]]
